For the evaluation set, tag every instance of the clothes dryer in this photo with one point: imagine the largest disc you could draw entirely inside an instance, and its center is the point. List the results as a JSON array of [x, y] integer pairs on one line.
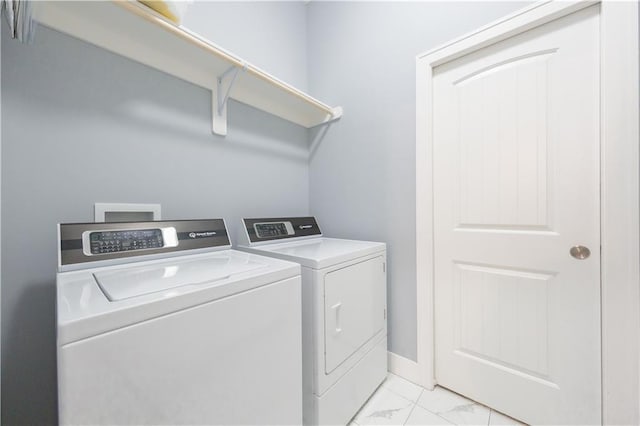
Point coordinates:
[[343, 312], [161, 323]]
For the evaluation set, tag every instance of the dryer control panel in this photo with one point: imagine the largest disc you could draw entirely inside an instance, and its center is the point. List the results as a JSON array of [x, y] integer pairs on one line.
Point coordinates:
[[269, 229], [273, 229]]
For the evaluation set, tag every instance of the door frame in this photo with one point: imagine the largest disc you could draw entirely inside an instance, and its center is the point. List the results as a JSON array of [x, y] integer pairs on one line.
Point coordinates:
[[619, 197]]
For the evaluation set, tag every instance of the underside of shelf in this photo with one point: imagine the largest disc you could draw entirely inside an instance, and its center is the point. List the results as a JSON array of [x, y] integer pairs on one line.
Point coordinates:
[[130, 29]]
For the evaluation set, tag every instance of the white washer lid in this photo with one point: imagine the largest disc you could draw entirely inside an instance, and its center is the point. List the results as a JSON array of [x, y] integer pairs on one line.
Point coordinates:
[[319, 253], [137, 281], [83, 309]]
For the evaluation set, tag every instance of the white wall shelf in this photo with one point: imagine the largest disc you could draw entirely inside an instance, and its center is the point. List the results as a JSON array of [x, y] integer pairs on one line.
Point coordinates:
[[131, 29]]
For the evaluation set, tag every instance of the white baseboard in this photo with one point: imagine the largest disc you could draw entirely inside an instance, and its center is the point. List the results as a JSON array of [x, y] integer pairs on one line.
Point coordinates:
[[403, 367]]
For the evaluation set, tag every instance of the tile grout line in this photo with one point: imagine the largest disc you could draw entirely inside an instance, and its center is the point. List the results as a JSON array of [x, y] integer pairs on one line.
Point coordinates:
[[471, 402], [410, 412], [443, 418], [405, 380], [415, 403], [446, 420], [422, 391], [402, 396], [384, 386]]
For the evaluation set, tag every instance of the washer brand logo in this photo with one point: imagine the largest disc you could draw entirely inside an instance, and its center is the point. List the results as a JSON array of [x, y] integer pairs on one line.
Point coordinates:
[[205, 234]]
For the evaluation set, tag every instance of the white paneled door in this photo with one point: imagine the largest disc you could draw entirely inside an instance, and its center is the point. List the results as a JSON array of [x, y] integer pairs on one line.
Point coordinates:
[[516, 186]]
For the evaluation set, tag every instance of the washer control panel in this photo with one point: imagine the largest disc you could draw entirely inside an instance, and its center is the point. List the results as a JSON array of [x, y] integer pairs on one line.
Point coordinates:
[[119, 240], [88, 244], [115, 241]]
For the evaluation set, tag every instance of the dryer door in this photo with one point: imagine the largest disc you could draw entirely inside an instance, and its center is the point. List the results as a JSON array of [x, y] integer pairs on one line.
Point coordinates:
[[354, 309]]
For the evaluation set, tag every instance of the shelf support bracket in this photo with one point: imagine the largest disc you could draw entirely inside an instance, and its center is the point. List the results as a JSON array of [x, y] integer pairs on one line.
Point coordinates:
[[335, 116], [220, 97]]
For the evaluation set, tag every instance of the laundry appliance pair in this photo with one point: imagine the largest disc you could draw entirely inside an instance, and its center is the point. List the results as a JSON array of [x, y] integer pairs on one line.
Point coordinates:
[[162, 322]]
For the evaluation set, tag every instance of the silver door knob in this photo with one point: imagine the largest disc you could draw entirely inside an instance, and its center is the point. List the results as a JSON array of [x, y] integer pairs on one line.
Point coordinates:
[[580, 252]]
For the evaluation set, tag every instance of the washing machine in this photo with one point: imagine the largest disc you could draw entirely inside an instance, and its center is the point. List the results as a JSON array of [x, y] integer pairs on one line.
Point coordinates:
[[162, 323], [344, 322]]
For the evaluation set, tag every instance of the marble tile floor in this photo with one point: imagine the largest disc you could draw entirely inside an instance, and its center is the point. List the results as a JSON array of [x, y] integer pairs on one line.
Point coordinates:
[[400, 402]]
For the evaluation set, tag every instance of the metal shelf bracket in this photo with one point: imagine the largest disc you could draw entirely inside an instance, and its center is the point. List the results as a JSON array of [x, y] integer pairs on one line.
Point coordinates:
[[220, 97]]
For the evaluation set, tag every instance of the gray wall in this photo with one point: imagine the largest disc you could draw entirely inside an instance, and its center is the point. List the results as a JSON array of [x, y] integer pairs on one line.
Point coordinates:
[[81, 125], [361, 55], [270, 35]]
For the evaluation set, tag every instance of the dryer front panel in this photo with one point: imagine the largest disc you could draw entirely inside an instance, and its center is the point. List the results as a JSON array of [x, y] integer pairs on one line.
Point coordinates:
[[354, 309]]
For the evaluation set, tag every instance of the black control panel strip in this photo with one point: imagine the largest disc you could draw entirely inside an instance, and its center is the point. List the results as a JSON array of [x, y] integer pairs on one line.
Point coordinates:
[[90, 242], [280, 228]]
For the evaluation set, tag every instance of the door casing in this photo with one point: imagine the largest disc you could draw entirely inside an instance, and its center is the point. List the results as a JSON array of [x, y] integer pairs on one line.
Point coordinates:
[[620, 191]]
